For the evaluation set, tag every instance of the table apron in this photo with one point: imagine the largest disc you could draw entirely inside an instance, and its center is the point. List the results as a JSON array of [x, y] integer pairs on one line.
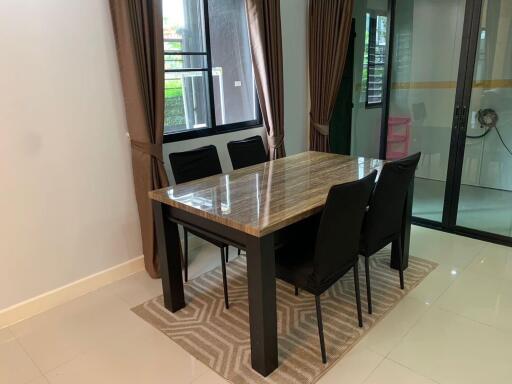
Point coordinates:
[[210, 228]]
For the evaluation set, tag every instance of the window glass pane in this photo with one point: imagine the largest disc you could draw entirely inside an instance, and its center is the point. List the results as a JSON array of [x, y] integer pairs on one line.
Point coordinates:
[[174, 61], [186, 101], [233, 78], [183, 25], [376, 59], [364, 78]]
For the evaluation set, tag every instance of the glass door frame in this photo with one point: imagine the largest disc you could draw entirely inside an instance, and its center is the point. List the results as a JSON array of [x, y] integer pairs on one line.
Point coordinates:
[[464, 87]]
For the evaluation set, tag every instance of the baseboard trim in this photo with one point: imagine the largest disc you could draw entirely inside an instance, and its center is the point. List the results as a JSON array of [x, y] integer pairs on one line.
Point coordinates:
[[68, 292]]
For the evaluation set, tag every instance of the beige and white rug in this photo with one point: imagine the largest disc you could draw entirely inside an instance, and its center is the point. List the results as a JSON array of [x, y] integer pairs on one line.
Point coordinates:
[[220, 338]]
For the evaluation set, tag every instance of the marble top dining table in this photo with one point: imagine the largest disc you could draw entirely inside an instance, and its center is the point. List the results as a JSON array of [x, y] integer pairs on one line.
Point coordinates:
[[266, 197], [246, 208]]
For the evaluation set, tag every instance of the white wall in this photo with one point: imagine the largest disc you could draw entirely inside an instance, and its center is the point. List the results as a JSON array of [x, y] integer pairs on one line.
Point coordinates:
[[67, 203], [295, 66], [294, 21]]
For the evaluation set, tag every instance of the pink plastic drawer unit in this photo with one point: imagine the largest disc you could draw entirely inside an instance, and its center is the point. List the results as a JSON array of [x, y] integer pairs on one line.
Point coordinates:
[[399, 131]]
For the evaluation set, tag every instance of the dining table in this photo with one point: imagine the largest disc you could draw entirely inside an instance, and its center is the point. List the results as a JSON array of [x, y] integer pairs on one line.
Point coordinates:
[[249, 208]]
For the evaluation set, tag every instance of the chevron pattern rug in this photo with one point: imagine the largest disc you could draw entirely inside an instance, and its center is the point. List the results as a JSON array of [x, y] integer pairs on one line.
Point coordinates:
[[220, 338]]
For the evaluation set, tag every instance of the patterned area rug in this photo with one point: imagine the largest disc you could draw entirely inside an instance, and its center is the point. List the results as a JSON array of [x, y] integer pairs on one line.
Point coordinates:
[[220, 338]]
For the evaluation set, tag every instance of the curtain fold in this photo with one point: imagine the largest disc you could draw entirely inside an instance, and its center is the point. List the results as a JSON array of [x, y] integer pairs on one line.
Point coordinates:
[[329, 37], [264, 19], [138, 31]]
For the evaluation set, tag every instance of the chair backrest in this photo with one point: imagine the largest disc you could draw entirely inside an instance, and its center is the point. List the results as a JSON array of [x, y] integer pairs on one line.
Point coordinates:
[[383, 220], [195, 164], [337, 242], [247, 152]]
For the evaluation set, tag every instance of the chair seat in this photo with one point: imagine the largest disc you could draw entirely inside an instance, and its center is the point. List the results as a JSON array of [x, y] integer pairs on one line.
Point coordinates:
[[368, 247], [295, 265], [207, 238]]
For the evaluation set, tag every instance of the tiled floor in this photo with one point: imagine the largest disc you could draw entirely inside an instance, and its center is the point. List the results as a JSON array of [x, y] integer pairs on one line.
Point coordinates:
[[456, 327]]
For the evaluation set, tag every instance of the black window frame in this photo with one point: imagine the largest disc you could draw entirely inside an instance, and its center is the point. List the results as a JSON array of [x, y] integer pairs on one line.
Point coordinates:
[[372, 47], [213, 129]]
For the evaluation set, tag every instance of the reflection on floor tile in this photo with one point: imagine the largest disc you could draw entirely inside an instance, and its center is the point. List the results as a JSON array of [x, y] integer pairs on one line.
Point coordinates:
[[391, 329], [494, 261], [481, 298]]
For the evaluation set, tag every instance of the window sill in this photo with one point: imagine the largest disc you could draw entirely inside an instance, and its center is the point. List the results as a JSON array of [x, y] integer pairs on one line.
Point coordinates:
[[204, 132]]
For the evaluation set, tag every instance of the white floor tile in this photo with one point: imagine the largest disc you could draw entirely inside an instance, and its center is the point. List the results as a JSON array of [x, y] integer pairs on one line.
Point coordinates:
[[390, 330], [480, 298], [451, 349], [353, 368], [146, 356], [6, 335], [446, 249], [435, 284], [63, 333], [16, 367], [135, 289], [39, 380], [210, 377], [390, 372], [494, 261]]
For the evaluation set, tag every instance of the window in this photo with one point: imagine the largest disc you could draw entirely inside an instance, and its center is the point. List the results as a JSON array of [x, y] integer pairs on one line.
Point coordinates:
[[209, 78], [374, 63]]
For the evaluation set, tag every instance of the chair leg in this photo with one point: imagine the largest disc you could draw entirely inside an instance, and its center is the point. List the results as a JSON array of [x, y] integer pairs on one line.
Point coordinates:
[[185, 266], [398, 245], [358, 295], [239, 251], [224, 277], [296, 291], [227, 254], [368, 287], [320, 328]]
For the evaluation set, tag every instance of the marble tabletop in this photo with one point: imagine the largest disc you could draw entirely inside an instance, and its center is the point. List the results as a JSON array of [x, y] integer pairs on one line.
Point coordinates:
[[266, 197]]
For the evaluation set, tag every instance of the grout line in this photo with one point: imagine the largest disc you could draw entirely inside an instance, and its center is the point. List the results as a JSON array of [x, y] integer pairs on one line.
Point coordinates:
[[443, 309], [367, 377], [413, 371]]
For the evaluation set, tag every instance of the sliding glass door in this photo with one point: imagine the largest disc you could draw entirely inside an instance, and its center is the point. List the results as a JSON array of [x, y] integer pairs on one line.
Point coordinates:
[[425, 63], [450, 97], [485, 196]]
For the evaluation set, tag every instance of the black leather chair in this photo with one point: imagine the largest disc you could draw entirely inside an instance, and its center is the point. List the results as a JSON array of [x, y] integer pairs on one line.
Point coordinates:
[[247, 152], [192, 165], [315, 264], [383, 221]]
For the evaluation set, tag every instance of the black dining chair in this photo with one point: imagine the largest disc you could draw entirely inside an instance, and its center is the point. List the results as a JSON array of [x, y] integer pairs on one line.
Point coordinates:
[[247, 152], [192, 165], [315, 263], [383, 221]]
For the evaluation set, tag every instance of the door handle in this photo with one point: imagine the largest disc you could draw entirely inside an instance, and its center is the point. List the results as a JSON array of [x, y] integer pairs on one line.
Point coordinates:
[[463, 115]]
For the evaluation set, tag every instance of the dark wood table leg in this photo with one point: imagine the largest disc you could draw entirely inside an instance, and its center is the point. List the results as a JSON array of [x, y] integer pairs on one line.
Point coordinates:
[[169, 258], [261, 275], [406, 233]]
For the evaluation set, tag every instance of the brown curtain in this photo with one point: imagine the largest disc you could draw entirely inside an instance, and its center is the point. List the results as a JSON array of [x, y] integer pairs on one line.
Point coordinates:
[[139, 40], [329, 36], [267, 56]]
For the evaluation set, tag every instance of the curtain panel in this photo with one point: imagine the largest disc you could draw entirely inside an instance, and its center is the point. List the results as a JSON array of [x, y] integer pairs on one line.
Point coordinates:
[[264, 17], [138, 31], [329, 37]]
